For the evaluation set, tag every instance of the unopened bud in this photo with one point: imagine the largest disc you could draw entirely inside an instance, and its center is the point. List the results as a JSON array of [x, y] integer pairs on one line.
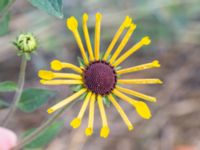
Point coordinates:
[[26, 43]]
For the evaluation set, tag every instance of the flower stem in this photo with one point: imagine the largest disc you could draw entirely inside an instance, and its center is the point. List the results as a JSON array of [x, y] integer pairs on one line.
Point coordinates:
[[18, 92], [39, 130]]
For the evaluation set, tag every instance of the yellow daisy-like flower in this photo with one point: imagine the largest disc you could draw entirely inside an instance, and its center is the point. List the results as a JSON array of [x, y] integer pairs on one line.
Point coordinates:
[[99, 77]]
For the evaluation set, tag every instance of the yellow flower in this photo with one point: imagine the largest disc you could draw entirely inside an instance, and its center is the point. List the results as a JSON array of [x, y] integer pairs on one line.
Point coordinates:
[[100, 77]]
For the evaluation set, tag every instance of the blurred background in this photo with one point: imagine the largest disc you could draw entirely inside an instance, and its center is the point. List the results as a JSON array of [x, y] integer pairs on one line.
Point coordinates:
[[174, 27]]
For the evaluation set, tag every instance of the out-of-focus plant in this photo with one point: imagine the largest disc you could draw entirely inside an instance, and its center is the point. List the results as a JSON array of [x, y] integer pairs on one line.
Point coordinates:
[[52, 7], [30, 99]]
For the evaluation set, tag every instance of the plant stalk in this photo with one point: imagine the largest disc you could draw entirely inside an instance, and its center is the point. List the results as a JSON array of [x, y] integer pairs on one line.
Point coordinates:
[[39, 130], [18, 93]]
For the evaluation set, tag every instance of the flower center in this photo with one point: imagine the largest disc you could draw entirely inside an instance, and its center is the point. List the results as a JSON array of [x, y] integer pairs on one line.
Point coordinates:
[[100, 77]]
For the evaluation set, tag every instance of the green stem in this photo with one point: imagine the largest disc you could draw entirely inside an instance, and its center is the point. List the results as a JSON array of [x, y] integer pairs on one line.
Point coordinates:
[[18, 92], [39, 130]]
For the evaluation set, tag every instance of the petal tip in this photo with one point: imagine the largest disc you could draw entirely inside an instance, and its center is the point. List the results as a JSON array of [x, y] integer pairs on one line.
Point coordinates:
[[50, 111], [130, 128], [56, 65], [156, 63], [127, 22], [104, 132], [146, 40], [88, 131], [75, 123], [98, 16], [72, 23], [45, 74]]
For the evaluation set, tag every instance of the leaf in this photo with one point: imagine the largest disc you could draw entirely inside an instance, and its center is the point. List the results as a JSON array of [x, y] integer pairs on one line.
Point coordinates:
[[52, 7], [7, 86], [34, 98], [46, 135], [3, 104], [3, 4], [4, 24]]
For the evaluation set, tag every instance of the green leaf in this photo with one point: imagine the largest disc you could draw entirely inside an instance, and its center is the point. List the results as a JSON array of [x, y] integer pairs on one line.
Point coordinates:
[[34, 98], [3, 104], [46, 135], [7, 86], [3, 4], [52, 7], [4, 24]]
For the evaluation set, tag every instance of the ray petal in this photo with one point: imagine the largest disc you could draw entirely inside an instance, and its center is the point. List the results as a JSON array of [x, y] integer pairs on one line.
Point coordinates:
[[136, 94], [72, 24], [97, 36], [66, 101], [123, 43], [105, 129], [141, 108], [121, 112], [139, 81], [153, 64], [49, 75], [58, 65], [126, 23], [143, 41], [60, 82], [76, 122], [87, 37], [89, 129]]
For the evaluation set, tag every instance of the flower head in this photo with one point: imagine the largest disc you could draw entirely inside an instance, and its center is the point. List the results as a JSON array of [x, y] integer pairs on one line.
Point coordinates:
[[26, 44], [99, 77]]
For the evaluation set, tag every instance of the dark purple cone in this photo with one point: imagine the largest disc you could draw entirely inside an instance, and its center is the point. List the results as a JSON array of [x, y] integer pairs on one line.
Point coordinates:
[[100, 77]]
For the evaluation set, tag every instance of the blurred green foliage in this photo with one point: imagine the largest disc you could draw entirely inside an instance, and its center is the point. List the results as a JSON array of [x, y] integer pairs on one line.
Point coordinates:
[[45, 137], [7, 86], [34, 98], [52, 7]]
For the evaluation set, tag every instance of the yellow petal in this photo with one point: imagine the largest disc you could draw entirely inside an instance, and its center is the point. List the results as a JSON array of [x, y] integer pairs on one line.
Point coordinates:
[[104, 132], [143, 110], [88, 131], [56, 65], [47, 75], [75, 123], [72, 23]]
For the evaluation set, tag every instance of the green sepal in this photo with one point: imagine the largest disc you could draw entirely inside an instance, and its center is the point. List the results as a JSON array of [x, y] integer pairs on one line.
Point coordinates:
[[109, 57], [106, 101], [118, 67], [81, 62], [76, 88], [20, 53], [82, 97], [101, 55], [27, 56]]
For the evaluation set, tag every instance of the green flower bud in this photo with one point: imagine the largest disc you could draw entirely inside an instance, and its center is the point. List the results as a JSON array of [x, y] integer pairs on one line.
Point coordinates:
[[26, 43]]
